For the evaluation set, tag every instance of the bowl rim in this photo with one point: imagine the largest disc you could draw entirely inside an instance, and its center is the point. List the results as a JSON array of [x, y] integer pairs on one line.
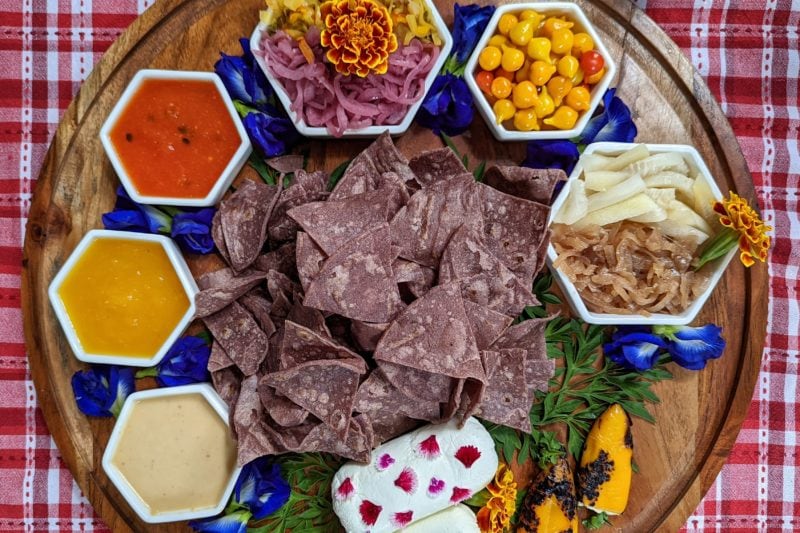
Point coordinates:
[[501, 133], [228, 174], [125, 488], [369, 131], [180, 268], [693, 157]]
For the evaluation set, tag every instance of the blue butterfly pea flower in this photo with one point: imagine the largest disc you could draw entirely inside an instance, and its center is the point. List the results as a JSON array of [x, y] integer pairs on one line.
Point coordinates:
[[186, 362], [130, 216], [261, 488], [469, 22], [634, 348], [271, 135], [614, 124], [102, 390], [447, 106], [234, 522], [561, 154], [692, 347], [243, 78], [192, 230]]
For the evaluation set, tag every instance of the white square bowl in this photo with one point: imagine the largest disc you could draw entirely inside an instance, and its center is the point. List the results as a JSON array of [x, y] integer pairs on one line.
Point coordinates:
[[575, 14], [129, 492], [229, 173], [698, 167], [369, 131], [180, 268]]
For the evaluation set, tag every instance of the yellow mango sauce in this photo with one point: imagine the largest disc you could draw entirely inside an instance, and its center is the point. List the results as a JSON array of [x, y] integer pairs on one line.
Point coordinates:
[[123, 297], [176, 453]]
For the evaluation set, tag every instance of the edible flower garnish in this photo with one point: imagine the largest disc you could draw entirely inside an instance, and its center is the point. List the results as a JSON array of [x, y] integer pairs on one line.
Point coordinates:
[[259, 492], [268, 127], [614, 124], [186, 362], [358, 36], [742, 226], [189, 228], [448, 106], [641, 347], [101, 390], [495, 515]]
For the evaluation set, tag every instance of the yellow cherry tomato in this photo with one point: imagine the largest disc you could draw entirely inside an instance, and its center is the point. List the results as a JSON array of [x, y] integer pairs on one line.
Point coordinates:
[[568, 66], [544, 105], [539, 49], [558, 87], [541, 72], [484, 80], [530, 14], [562, 40], [564, 118], [503, 73], [498, 40], [582, 42], [552, 24], [506, 22], [490, 58], [522, 32], [578, 98], [523, 73], [501, 87], [526, 120], [594, 78], [577, 79], [512, 59], [524, 95], [503, 110]]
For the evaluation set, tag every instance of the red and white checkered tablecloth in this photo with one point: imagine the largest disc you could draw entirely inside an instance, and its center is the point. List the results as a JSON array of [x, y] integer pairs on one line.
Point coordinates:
[[748, 53]]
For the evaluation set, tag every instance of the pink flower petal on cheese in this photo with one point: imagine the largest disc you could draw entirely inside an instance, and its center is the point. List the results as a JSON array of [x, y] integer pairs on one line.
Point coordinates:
[[429, 448], [369, 512], [407, 481], [384, 462], [459, 495], [345, 490], [468, 455], [402, 519], [435, 487]]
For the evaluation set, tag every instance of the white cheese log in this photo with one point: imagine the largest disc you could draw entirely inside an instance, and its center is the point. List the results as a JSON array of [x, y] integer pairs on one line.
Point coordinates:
[[414, 476], [457, 519]]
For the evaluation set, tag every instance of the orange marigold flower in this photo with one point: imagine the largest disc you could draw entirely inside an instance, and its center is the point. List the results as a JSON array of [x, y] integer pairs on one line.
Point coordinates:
[[495, 515], [743, 227], [358, 35]]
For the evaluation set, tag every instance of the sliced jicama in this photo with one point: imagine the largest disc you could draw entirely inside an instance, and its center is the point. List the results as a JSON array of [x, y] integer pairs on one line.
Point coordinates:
[[622, 191], [599, 162], [632, 207], [602, 180], [661, 196], [679, 211], [659, 163], [656, 215], [591, 162], [574, 207], [678, 230], [671, 180], [703, 199]]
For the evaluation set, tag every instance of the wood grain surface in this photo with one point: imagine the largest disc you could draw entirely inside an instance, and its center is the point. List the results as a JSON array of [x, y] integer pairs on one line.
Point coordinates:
[[700, 413]]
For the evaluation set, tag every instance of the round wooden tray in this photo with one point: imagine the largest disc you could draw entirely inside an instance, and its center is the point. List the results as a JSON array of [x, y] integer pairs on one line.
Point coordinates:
[[700, 413]]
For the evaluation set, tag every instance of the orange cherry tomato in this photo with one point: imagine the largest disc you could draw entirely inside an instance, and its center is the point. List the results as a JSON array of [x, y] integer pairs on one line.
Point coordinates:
[[484, 80], [591, 62]]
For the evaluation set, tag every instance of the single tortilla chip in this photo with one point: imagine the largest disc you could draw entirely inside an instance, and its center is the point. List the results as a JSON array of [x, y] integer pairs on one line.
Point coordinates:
[[486, 325], [219, 237], [357, 281], [433, 335], [219, 359], [305, 187], [286, 164], [437, 165], [256, 302], [227, 382], [222, 287], [506, 399], [309, 257], [282, 260], [281, 409], [244, 215], [309, 317], [378, 397], [357, 445], [301, 345], [417, 278], [238, 334], [427, 386], [367, 334], [326, 389], [529, 335], [534, 184]]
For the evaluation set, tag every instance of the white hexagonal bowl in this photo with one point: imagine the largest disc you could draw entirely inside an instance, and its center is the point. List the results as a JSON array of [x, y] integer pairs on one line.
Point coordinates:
[[574, 13], [369, 131], [181, 269], [696, 165], [230, 171], [127, 491]]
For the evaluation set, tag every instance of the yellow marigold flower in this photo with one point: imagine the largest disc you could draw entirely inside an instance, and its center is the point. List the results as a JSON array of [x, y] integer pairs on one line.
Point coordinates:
[[358, 35], [742, 225], [495, 516]]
